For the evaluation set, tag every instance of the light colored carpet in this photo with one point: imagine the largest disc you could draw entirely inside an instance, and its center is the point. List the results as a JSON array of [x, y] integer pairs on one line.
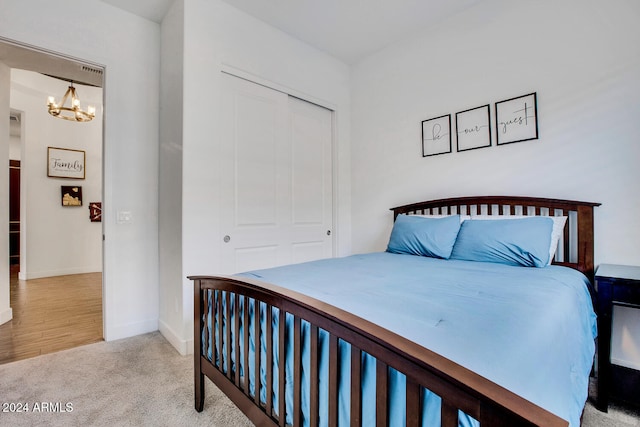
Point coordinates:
[[139, 381]]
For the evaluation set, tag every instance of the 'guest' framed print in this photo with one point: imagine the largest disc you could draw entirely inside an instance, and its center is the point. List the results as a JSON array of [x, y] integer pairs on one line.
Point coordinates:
[[436, 136], [517, 119], [473, 128]]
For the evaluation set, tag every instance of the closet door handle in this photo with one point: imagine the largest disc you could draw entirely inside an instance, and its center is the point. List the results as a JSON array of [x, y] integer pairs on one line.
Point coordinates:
[[226, 238]]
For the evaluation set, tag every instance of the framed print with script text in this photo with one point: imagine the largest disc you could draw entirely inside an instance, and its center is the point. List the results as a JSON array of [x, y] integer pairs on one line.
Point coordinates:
[[517, 119], [436, 136], [65, 163], [473, 128]]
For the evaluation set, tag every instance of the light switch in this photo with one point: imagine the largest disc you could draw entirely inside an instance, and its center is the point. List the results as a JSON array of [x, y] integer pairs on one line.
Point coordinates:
[[124, 217]]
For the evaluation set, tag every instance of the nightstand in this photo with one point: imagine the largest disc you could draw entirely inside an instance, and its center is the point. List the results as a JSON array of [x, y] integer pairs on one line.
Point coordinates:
[[619, 285]]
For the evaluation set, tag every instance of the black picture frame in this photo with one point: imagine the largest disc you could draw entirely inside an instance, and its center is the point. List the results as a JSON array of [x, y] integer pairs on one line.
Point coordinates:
[[71, 195], [436, 136], [517, 119], [473, 128]]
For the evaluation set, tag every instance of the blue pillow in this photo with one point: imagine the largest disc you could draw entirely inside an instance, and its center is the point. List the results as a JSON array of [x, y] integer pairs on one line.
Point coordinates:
[[431, 237], [523, 241]]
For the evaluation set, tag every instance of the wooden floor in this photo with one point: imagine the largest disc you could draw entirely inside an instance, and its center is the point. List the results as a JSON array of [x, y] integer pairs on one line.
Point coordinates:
[[51, 314]]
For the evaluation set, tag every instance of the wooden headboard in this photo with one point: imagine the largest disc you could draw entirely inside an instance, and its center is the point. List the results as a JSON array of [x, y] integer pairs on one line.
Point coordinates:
[[576, 247]]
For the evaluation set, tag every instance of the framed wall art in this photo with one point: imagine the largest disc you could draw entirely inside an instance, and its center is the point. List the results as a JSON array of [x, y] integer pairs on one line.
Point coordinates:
[[95, 211], [436, 136], [71, 195], [473, 128], [517, 119], [65, 163]]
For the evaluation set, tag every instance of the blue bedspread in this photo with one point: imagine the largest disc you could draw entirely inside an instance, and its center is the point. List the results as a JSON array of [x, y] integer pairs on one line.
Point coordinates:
[[530, 330]]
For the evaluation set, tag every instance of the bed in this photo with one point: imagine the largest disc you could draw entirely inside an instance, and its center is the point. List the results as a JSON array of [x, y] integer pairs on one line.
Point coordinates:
[[333, 342]]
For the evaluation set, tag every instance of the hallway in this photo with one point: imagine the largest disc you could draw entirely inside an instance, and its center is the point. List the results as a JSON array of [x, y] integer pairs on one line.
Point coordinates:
[[51, 314]]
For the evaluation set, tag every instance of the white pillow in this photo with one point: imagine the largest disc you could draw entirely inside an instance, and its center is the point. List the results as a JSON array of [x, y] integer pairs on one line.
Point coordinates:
[[556, 232], [463, 218]]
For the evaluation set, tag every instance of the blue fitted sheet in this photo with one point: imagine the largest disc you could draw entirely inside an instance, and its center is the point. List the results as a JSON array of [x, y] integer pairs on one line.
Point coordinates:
[[530, 330]]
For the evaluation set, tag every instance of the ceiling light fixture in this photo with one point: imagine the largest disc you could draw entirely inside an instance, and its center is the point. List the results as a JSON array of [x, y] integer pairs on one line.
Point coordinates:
[[74, 112]]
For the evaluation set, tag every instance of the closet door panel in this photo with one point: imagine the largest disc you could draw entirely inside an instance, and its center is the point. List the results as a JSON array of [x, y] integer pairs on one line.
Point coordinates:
[[275, 178]]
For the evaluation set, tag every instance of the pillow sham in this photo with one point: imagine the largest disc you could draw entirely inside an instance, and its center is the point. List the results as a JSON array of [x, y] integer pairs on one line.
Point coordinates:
[[430, 237], [556, 232], [462, 217], [522, 241]]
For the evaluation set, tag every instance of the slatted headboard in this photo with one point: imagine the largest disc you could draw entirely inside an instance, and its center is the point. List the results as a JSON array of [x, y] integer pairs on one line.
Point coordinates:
[[576, 247]]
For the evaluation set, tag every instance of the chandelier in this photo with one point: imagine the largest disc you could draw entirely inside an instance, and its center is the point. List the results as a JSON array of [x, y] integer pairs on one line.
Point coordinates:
[[73, 112]]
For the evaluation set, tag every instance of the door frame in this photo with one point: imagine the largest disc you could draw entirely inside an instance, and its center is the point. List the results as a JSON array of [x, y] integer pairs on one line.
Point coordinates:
[[43, 51]]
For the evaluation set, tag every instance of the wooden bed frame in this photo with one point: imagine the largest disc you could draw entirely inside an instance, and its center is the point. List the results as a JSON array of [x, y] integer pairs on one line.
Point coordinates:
[[459, 388]]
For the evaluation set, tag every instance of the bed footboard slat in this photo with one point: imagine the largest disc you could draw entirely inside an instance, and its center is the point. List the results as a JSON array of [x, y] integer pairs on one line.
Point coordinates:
[[205, 325], [333, 380], [245, 330], [228, 325], [199, 328], [413, 403], [297, 371], [236, 339], [314, 404], [382, 390], [356, 380], [449, 414], [269, 362], [258, 353], [218, 355], [281, 367]]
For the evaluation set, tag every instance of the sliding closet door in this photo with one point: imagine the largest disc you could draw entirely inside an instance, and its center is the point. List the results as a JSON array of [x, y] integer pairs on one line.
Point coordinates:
[[276, 178], [310, 136]]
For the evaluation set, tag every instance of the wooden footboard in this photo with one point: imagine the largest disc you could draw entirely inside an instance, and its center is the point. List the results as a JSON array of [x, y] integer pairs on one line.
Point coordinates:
[[459, 388]]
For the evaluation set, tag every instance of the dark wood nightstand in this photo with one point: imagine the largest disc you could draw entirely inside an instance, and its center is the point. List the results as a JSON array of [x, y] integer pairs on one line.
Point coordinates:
[[619, 285]]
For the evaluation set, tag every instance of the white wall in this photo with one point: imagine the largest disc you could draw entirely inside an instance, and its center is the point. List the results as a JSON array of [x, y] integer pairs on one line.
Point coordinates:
[[172, 320], [5, 79], [217, 37], [575, 54], [56, 240], [129, 48], [580, 56]]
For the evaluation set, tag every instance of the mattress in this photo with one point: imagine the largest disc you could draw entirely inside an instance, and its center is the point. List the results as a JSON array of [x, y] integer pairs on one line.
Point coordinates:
[[530, 330]]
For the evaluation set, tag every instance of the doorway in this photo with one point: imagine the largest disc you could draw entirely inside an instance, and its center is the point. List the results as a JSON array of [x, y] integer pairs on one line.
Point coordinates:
[[56, 249]]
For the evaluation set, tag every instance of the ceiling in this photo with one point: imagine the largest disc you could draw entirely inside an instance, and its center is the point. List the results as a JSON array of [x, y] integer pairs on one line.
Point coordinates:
[[25, 58], [346, 29], [349, 30], [153, 10]]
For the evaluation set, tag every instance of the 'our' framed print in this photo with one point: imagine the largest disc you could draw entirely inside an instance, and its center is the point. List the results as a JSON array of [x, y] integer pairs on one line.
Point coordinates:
[[473, 128], [517, 119], [436, 136]]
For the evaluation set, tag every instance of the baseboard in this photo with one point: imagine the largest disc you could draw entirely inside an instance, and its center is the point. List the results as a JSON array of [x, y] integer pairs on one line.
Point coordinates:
[[6, 315], [631, 364], [52, 273], [116, 332], [184, 347]]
